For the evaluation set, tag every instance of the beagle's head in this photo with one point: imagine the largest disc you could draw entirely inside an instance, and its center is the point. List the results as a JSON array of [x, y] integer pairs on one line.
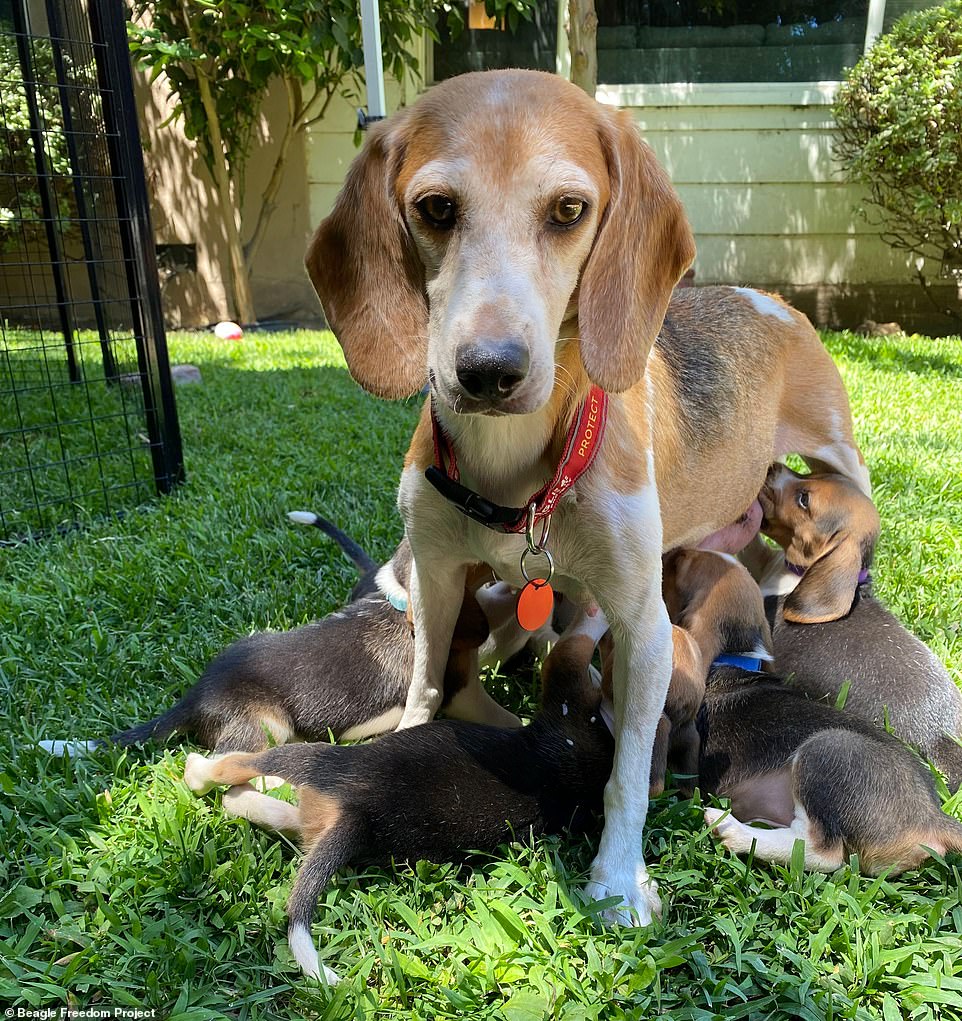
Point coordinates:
[[828, 528], [501, 213], [714, 598]]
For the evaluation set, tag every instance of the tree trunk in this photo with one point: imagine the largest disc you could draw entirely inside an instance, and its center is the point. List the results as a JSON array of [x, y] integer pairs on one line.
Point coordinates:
[[243, 302], [583, 43]]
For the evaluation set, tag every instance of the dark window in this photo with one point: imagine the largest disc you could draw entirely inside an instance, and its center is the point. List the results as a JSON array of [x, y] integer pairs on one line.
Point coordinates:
[[484, 45], [665, 41]]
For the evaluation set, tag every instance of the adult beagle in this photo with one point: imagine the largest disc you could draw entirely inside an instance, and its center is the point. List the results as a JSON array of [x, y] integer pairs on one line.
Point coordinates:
[[829, 630], [515, 245], [807, 770]]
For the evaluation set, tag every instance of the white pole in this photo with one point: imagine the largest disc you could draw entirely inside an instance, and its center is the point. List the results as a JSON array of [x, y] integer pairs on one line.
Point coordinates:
[[373, 64], [874, 21]]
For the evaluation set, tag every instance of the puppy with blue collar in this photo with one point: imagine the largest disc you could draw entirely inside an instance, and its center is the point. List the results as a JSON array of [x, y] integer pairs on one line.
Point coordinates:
[[807, 771]]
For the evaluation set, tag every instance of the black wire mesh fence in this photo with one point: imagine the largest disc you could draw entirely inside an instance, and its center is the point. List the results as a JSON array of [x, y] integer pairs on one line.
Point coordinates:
[[88, 424]]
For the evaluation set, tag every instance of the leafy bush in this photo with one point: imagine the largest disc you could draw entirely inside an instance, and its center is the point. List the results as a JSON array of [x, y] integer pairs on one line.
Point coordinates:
[[899, 119]]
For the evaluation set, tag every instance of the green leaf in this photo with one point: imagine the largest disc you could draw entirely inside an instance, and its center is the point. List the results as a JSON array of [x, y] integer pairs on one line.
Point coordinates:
[[19, 901], [526, 1005]]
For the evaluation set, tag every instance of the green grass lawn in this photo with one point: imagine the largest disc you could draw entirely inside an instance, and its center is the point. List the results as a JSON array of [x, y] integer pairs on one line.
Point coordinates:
[[119, 887]]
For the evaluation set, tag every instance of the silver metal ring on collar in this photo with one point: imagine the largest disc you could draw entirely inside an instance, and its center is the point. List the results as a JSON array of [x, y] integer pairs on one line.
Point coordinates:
[[538, 553]]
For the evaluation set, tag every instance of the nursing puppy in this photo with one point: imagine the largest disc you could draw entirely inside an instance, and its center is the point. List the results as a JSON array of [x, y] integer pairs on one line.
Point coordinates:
[[437, 791], [828, 529], [346, 675], [811, 772], [515, 245]]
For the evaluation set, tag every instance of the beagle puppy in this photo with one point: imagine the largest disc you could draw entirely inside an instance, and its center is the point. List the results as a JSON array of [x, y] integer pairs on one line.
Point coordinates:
[[828, 529], [805, 769], [439, 791], [515, 245], [346, 675]]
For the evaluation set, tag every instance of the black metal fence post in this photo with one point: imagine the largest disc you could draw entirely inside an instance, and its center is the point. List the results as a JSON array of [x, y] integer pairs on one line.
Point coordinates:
[[108, 26]]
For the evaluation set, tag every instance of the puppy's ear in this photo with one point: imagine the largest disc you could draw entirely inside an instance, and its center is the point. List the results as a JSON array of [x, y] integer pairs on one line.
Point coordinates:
[[367, 274], [688, 674], [827, 589], [642, 247]]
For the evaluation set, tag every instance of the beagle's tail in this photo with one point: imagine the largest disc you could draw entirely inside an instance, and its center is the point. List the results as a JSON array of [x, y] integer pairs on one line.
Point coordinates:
[[362, 561], [336, 847], [159, 728]]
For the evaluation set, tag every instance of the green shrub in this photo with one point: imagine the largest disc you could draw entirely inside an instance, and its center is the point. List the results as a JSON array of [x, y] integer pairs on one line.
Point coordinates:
[[899, 119]]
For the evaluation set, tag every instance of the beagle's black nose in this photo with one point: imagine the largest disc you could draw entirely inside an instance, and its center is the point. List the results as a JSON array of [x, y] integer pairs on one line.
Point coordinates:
[[491, 369]]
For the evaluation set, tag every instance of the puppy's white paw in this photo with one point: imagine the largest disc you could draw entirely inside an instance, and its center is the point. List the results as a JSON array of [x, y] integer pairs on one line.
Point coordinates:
[[640, 901], [727, 829], [197, 773], [305, 953]]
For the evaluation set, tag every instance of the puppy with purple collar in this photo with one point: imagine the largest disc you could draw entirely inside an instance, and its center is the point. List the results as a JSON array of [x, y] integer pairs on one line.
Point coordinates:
[[806, 770], [829, 630]]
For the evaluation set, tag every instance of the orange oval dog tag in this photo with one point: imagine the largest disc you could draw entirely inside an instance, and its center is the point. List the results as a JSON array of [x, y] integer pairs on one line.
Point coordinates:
[[535, 604]]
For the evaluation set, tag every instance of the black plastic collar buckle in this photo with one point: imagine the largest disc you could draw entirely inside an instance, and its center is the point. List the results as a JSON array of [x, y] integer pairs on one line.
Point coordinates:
[[472, 504]]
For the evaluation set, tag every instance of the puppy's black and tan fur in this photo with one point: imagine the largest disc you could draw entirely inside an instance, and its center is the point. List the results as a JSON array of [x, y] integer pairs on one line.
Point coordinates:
[[809, 771], [436, 791], [828, 528], [345, 675]]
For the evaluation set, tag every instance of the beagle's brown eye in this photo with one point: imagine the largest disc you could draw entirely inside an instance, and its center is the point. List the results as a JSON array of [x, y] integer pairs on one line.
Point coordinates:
[[802, 499], [437, 211], [567, 211]]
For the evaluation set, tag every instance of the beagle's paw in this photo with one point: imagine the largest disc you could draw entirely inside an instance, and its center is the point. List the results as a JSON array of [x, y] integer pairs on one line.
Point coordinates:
[[415, 717], [640, 903], [727, 829], [197, 773]]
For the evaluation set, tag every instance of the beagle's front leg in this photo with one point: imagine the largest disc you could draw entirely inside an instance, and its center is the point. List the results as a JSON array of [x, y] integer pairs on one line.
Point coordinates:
[[435, 605], [629, 593], [435, 589]]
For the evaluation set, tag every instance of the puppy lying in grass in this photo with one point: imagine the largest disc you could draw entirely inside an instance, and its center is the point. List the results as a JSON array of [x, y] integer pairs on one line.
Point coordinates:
[[828, 529], [807, 770], [346, 675], [436, 791]]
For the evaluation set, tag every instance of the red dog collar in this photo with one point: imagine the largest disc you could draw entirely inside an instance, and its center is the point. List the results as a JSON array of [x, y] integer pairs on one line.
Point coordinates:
[[584, 438]]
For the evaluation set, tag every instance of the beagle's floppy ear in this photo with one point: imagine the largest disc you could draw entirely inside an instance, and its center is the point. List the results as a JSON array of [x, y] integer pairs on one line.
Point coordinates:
[[642, 247], [366, 273], [827, 589]]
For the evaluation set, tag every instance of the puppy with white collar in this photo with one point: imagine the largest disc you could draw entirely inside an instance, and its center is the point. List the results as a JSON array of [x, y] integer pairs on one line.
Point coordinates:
[[437, 791], [830, 631], [807, 770], [346, 675]]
